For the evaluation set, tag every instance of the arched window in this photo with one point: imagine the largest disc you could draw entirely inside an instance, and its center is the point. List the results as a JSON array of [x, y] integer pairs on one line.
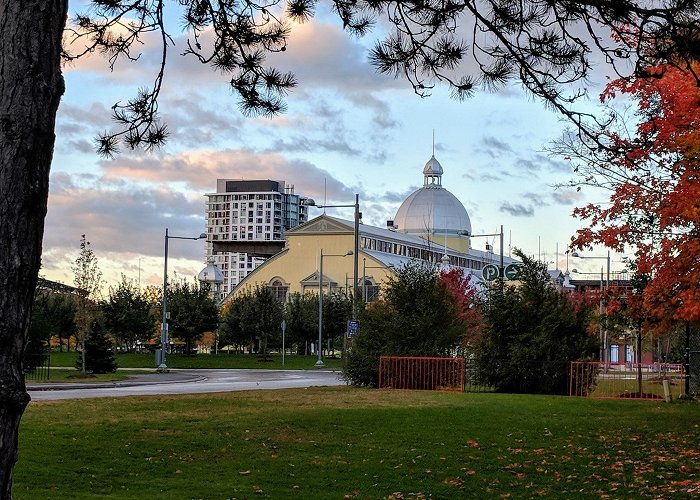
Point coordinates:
[[279, 288]]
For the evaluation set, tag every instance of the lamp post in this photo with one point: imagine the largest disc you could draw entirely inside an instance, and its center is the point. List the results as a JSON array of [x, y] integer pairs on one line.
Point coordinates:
[[603, 332], [319, 363], [356, 253], [604, 351], [606, 258], [162, 367], [500, 235], [364, 275]]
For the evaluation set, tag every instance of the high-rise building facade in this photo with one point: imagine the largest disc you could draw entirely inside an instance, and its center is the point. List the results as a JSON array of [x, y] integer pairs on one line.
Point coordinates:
[[248, 210]]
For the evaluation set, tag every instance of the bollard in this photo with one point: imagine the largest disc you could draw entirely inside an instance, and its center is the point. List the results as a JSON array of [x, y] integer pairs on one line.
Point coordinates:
[[667, 391]]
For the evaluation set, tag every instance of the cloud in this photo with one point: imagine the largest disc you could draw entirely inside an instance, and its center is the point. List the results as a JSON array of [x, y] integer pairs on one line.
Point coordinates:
[[536, 199], [198, 170], [566, 197], [121, 220], [491, 177], [494, 147], [193, 119], [517, 210]]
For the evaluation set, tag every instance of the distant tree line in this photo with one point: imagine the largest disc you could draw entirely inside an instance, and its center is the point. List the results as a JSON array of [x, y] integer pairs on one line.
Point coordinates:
[[253, 320]]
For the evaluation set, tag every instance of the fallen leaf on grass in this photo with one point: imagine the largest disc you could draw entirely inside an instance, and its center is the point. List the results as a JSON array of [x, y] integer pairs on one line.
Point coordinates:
[[244, 472], [473, 444]]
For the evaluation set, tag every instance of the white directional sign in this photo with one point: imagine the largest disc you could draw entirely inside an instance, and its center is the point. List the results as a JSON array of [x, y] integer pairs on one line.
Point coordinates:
[[512, 271]]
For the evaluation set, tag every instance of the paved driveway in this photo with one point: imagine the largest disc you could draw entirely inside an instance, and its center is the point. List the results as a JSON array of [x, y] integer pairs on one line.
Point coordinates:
[[190, 382]]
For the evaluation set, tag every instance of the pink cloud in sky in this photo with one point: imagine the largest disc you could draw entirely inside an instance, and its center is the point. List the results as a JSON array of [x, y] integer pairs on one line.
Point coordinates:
[[200, 169]]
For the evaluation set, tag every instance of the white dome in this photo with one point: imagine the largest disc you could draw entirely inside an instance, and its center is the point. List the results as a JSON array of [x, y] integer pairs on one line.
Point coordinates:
[[432, 167], [211, 274], [429, 210], [432, 208]]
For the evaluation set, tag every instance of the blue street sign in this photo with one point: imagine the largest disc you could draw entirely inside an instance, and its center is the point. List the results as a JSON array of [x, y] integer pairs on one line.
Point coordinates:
[[353, 328]]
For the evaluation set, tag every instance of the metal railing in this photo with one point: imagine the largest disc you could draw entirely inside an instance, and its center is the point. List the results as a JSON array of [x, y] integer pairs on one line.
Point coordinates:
[[653, 381], [421, 373]]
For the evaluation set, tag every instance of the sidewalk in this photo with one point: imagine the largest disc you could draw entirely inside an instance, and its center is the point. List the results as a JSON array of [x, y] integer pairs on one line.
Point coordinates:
[[172, 377]]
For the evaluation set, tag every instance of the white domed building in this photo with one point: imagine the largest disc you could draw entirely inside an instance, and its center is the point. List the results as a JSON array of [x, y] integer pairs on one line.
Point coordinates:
[[431, 225]]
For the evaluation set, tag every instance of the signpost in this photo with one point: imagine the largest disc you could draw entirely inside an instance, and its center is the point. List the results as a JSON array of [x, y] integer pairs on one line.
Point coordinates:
[[284, 327], [353, 328], [489, 272], [512, 271]]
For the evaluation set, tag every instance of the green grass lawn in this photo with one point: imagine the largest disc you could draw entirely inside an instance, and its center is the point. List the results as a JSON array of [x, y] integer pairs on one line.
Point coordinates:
[[59, 375], [358, 443], [142, 360]]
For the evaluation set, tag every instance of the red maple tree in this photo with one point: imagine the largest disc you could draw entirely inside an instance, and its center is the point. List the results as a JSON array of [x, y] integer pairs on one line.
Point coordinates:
[[653, 175], [465, 295]]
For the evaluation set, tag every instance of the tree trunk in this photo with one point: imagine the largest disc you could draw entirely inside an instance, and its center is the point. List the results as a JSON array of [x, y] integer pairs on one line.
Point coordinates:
[[638, 355], [31, 86]]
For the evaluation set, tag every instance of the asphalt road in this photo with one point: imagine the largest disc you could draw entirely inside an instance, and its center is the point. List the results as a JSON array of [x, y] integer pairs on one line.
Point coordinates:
[[189, 382]]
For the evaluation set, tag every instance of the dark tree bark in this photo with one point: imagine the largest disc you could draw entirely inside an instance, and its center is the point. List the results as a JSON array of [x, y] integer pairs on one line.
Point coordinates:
[[31, 86]]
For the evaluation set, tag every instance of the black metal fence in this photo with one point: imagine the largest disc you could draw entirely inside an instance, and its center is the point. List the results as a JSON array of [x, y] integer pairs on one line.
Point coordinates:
[[524, 377], [694, 362], [41, 372]]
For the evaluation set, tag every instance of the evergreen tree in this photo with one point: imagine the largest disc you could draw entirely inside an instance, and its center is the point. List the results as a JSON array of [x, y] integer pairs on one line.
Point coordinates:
[[532, 332], [418, 316], [128, 314], [99, 350], [193, 311], [37, 349]]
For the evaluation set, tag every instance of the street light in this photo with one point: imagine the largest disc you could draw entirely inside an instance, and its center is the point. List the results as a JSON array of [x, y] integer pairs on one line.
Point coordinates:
[[607, 259], [603, 331], [364, 275], [319, 363], [356, 252], [500, 267], [604, 349], [162, 367]]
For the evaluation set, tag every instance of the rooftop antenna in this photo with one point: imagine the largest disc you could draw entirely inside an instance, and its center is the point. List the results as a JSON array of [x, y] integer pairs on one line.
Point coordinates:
[[433, 142], [325, 180], [510, 242]]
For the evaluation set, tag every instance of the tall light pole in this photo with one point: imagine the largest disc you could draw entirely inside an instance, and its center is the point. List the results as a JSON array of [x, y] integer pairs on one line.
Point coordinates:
[[356, 254], [604, 357], [603, 336], [364, 275], [500, 267], [162, 367], [319, 363]]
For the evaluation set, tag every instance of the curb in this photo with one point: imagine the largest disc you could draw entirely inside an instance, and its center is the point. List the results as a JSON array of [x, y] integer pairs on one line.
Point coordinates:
[[108, 385]]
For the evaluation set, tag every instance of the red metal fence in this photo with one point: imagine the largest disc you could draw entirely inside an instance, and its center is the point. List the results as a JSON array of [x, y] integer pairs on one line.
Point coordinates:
[[626, 380], [431, 374]]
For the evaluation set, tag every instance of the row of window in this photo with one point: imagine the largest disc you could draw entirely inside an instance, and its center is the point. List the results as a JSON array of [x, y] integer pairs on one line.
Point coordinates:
[[418, 253], [237, 197]]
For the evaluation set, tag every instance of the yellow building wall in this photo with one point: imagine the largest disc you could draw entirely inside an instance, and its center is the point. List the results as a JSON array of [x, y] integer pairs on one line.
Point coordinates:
[[301, 259]]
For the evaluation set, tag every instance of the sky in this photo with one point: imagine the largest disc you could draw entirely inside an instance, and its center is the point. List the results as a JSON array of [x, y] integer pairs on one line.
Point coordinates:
[[347, 130]]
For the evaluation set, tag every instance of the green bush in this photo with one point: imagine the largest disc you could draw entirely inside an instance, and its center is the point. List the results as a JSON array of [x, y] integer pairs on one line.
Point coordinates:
[[418, 316], [532, 332]]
